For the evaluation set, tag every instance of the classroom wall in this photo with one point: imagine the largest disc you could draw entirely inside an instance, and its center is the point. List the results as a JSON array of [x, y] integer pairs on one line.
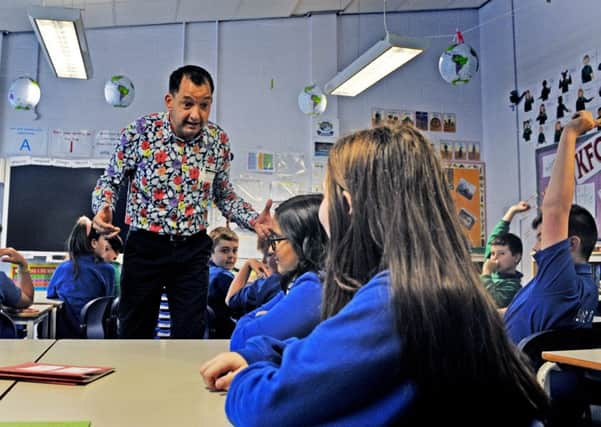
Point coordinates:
[[548, 35], [245, 56]]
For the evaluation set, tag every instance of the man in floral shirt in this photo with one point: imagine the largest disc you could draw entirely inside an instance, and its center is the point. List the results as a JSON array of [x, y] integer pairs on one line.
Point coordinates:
[[177, 163]]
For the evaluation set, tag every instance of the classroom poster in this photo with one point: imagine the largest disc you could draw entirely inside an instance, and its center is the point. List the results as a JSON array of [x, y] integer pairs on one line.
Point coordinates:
[[466, 181], [105, 142], [41, 273], [587, 172], [70, 143], [260, 161], [26, 141]]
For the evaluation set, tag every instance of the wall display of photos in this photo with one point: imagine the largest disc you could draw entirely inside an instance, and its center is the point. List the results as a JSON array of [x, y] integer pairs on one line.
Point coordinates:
[[467, 184], [544, 106], [423, 120]]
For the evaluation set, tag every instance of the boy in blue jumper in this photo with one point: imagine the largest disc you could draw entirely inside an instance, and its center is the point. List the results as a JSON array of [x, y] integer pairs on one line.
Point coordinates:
[[223, 260], [563, 293]]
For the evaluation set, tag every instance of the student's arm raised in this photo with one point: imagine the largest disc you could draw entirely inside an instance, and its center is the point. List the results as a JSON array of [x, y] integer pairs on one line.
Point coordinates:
[[560, 192]]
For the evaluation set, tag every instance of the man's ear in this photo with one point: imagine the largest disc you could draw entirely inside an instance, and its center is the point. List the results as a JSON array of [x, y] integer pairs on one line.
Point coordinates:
[[169, 101], [349, 200]]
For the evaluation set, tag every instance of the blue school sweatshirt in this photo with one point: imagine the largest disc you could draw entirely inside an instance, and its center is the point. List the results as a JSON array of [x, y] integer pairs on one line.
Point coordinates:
[[294, 314], [255, 294], [345, 373], [95, 279]]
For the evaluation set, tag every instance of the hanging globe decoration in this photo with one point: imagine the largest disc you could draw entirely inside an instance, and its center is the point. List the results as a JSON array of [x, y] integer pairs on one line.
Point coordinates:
[[24, 93], [312, 101], [119, 91], [459, 62]]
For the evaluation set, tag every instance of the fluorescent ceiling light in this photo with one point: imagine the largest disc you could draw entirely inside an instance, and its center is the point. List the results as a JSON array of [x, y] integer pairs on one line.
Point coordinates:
[[61, 34], [376, 63]]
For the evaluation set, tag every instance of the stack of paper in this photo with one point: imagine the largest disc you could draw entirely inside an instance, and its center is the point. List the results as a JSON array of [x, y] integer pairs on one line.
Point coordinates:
[[55, 374]]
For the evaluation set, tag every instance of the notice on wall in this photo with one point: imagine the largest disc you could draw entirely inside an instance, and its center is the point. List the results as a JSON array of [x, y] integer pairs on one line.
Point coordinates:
[[105, 142], [26, 141], [70, 143]]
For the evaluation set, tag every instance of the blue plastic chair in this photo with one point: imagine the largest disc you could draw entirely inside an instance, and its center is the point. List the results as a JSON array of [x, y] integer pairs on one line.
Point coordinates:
[[94, 316]]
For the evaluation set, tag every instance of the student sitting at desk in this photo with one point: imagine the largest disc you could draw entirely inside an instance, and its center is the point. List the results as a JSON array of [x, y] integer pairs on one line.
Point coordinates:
[[224, 255], [82, 278], [19, 294], [298, 244], [502, 256], [244, 294], [410, 337], [563, 293]]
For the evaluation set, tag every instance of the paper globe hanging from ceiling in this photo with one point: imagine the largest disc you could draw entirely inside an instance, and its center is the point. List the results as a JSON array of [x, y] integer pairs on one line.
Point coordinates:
[[312, 101], [119, 91], [24, 93], [459, 62]]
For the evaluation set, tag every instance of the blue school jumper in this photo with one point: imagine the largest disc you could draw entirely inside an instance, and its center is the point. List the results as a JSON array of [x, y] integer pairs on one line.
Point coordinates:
[[345, 373], [10, 294], [294, 314], [95, 279], [255, 294], [219, 283], [561, 295]]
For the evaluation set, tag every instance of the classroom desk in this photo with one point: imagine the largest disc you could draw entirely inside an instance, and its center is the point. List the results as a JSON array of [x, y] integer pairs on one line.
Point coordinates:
[[588, 359], [32, 320], [155, 383], [13, 352], [56, 304]]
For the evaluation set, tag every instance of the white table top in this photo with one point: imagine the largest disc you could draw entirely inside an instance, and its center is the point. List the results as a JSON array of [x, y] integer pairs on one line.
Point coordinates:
[[590, 358], [40, 298], [13, 352], [155, 383]]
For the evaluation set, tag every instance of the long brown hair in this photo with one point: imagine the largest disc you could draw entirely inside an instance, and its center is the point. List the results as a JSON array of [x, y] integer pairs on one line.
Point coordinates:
[[403, 220]]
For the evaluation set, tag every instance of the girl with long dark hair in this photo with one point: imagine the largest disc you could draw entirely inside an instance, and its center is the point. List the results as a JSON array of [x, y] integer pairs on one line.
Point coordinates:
[[298, 242], [409, 336]]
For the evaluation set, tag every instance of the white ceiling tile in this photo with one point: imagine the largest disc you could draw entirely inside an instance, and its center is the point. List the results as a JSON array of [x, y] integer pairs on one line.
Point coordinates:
[[98, 15], [207, 10], [265, 8], [145, 12]]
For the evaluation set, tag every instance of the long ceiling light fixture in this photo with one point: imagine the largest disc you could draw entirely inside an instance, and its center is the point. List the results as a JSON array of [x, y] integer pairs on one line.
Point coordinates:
[[61, 34], [376, 63]]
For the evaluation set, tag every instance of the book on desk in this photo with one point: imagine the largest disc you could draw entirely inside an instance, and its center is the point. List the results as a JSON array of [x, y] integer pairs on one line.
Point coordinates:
[[54, 373]]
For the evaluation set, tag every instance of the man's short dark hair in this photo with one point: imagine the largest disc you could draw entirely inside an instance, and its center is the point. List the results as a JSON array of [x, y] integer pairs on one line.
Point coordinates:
[[198, 75], [581, 224], [510, 240]]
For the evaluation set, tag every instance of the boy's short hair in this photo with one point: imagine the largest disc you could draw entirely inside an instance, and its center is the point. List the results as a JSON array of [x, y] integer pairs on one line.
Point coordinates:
[[116, 243], [581, 224], [510, 240], [222, 233]]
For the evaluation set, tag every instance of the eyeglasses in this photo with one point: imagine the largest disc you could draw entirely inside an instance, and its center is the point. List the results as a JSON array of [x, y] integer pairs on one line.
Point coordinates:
[[273, 240]]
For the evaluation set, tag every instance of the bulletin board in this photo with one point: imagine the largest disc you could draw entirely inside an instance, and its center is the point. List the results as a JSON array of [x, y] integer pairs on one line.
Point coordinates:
[[587, 172], [467, 184]]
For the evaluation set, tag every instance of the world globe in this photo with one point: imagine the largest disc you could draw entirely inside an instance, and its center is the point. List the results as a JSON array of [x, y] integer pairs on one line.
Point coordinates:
[[458, 64], [119, 91], [312, 101], [24, 93]]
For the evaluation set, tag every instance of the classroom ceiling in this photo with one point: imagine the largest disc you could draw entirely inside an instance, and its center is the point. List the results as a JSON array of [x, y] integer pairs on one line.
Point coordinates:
[[115, 13]]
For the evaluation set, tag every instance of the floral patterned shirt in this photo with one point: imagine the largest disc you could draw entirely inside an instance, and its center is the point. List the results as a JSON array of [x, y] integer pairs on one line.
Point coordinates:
[[172, 181]]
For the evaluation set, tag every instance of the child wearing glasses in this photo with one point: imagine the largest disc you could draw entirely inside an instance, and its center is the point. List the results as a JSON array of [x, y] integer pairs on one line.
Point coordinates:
[[244, 296], [223, 260], [409, 335], [298, 242]]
